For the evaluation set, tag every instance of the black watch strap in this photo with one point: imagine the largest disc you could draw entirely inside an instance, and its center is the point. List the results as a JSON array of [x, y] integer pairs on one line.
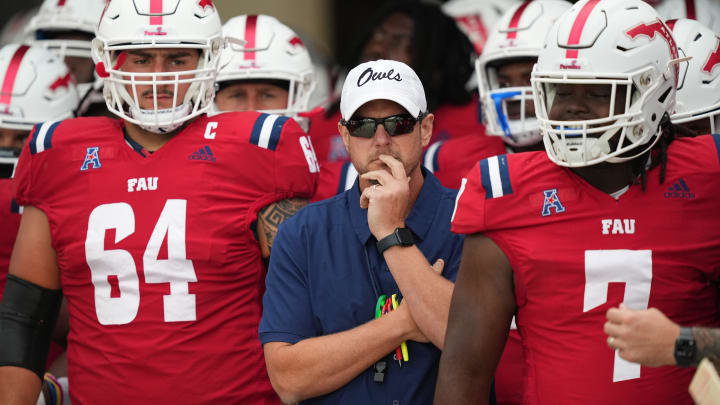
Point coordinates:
[[685, 348], [401, 237]]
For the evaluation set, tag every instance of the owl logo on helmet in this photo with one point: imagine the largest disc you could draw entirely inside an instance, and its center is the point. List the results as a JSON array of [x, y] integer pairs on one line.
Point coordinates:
[[206, 3], [656, 27], [713, 60], [295, 46], [62, 81]]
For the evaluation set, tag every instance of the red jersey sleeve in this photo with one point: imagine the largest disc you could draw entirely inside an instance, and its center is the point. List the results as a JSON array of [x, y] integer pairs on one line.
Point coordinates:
[[469, 215], [277, 152], [486, 187], [295, 163], [31, 177], [22, 182]]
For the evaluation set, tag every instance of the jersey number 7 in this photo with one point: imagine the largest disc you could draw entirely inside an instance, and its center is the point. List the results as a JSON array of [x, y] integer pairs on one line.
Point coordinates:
[[632, 267]]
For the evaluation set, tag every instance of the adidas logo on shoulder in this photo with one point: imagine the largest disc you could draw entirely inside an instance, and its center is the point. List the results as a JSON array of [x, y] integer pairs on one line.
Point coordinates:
[[680, 190], [203, 153]]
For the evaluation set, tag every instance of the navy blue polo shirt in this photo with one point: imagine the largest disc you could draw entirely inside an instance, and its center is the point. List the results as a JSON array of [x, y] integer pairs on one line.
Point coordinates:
[[326, 275]]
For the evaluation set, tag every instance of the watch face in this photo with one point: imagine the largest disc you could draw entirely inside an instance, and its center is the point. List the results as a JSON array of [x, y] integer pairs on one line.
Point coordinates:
[[405, 236], [684, 348]]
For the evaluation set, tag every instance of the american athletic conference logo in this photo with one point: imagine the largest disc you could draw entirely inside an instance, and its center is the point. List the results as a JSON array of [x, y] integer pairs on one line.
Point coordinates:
[[92, 159], [551, 200]]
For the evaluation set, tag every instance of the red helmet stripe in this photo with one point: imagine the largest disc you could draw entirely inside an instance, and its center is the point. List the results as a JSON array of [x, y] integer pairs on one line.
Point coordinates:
[[61, 3], [250, 31], [476, 29], [156, 7], [515, 20], [671, 24], [11, 74], [577, 28], [690, 9]]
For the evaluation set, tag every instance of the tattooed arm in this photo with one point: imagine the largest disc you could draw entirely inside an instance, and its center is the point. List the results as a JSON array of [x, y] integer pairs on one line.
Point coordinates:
[[270, 218], [707, 341]]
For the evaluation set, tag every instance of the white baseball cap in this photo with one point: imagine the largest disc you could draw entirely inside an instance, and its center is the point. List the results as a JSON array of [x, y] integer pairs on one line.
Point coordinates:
[[382, 80]]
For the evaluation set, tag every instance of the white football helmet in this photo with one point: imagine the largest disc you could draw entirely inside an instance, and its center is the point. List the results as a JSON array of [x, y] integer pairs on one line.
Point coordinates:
[[151, 24], [477, 18], [705, 11], [611, 43], [698, 94], [519, 35], [73, 16], [66, 15], [272, 51], [36, 87]]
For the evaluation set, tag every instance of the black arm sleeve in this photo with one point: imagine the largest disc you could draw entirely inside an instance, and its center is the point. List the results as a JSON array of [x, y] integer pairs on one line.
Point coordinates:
[[27, 318]]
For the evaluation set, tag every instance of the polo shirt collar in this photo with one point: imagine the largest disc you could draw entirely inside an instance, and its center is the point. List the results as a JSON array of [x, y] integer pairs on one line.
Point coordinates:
[[420, 218]]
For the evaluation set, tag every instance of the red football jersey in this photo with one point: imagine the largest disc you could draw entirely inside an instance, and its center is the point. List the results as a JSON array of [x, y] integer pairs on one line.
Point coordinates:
[[577, 251], [325, 136], [509, 375], [160, 268], [335, 178], [450, 160], [454, 121], [9, 224]]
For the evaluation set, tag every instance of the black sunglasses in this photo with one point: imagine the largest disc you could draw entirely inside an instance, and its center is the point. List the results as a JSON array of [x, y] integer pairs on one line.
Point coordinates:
[[365, 127]]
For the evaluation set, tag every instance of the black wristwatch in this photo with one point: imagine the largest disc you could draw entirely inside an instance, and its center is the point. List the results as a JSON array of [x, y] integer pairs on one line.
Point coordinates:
[[685, 348], [401, 236]]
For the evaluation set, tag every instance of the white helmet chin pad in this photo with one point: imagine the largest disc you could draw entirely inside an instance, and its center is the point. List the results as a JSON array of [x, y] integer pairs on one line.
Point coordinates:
[[174, 117], [574, 149]]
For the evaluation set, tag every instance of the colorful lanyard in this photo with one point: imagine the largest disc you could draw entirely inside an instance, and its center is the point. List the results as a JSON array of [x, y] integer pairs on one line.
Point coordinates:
[[383, 306]]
